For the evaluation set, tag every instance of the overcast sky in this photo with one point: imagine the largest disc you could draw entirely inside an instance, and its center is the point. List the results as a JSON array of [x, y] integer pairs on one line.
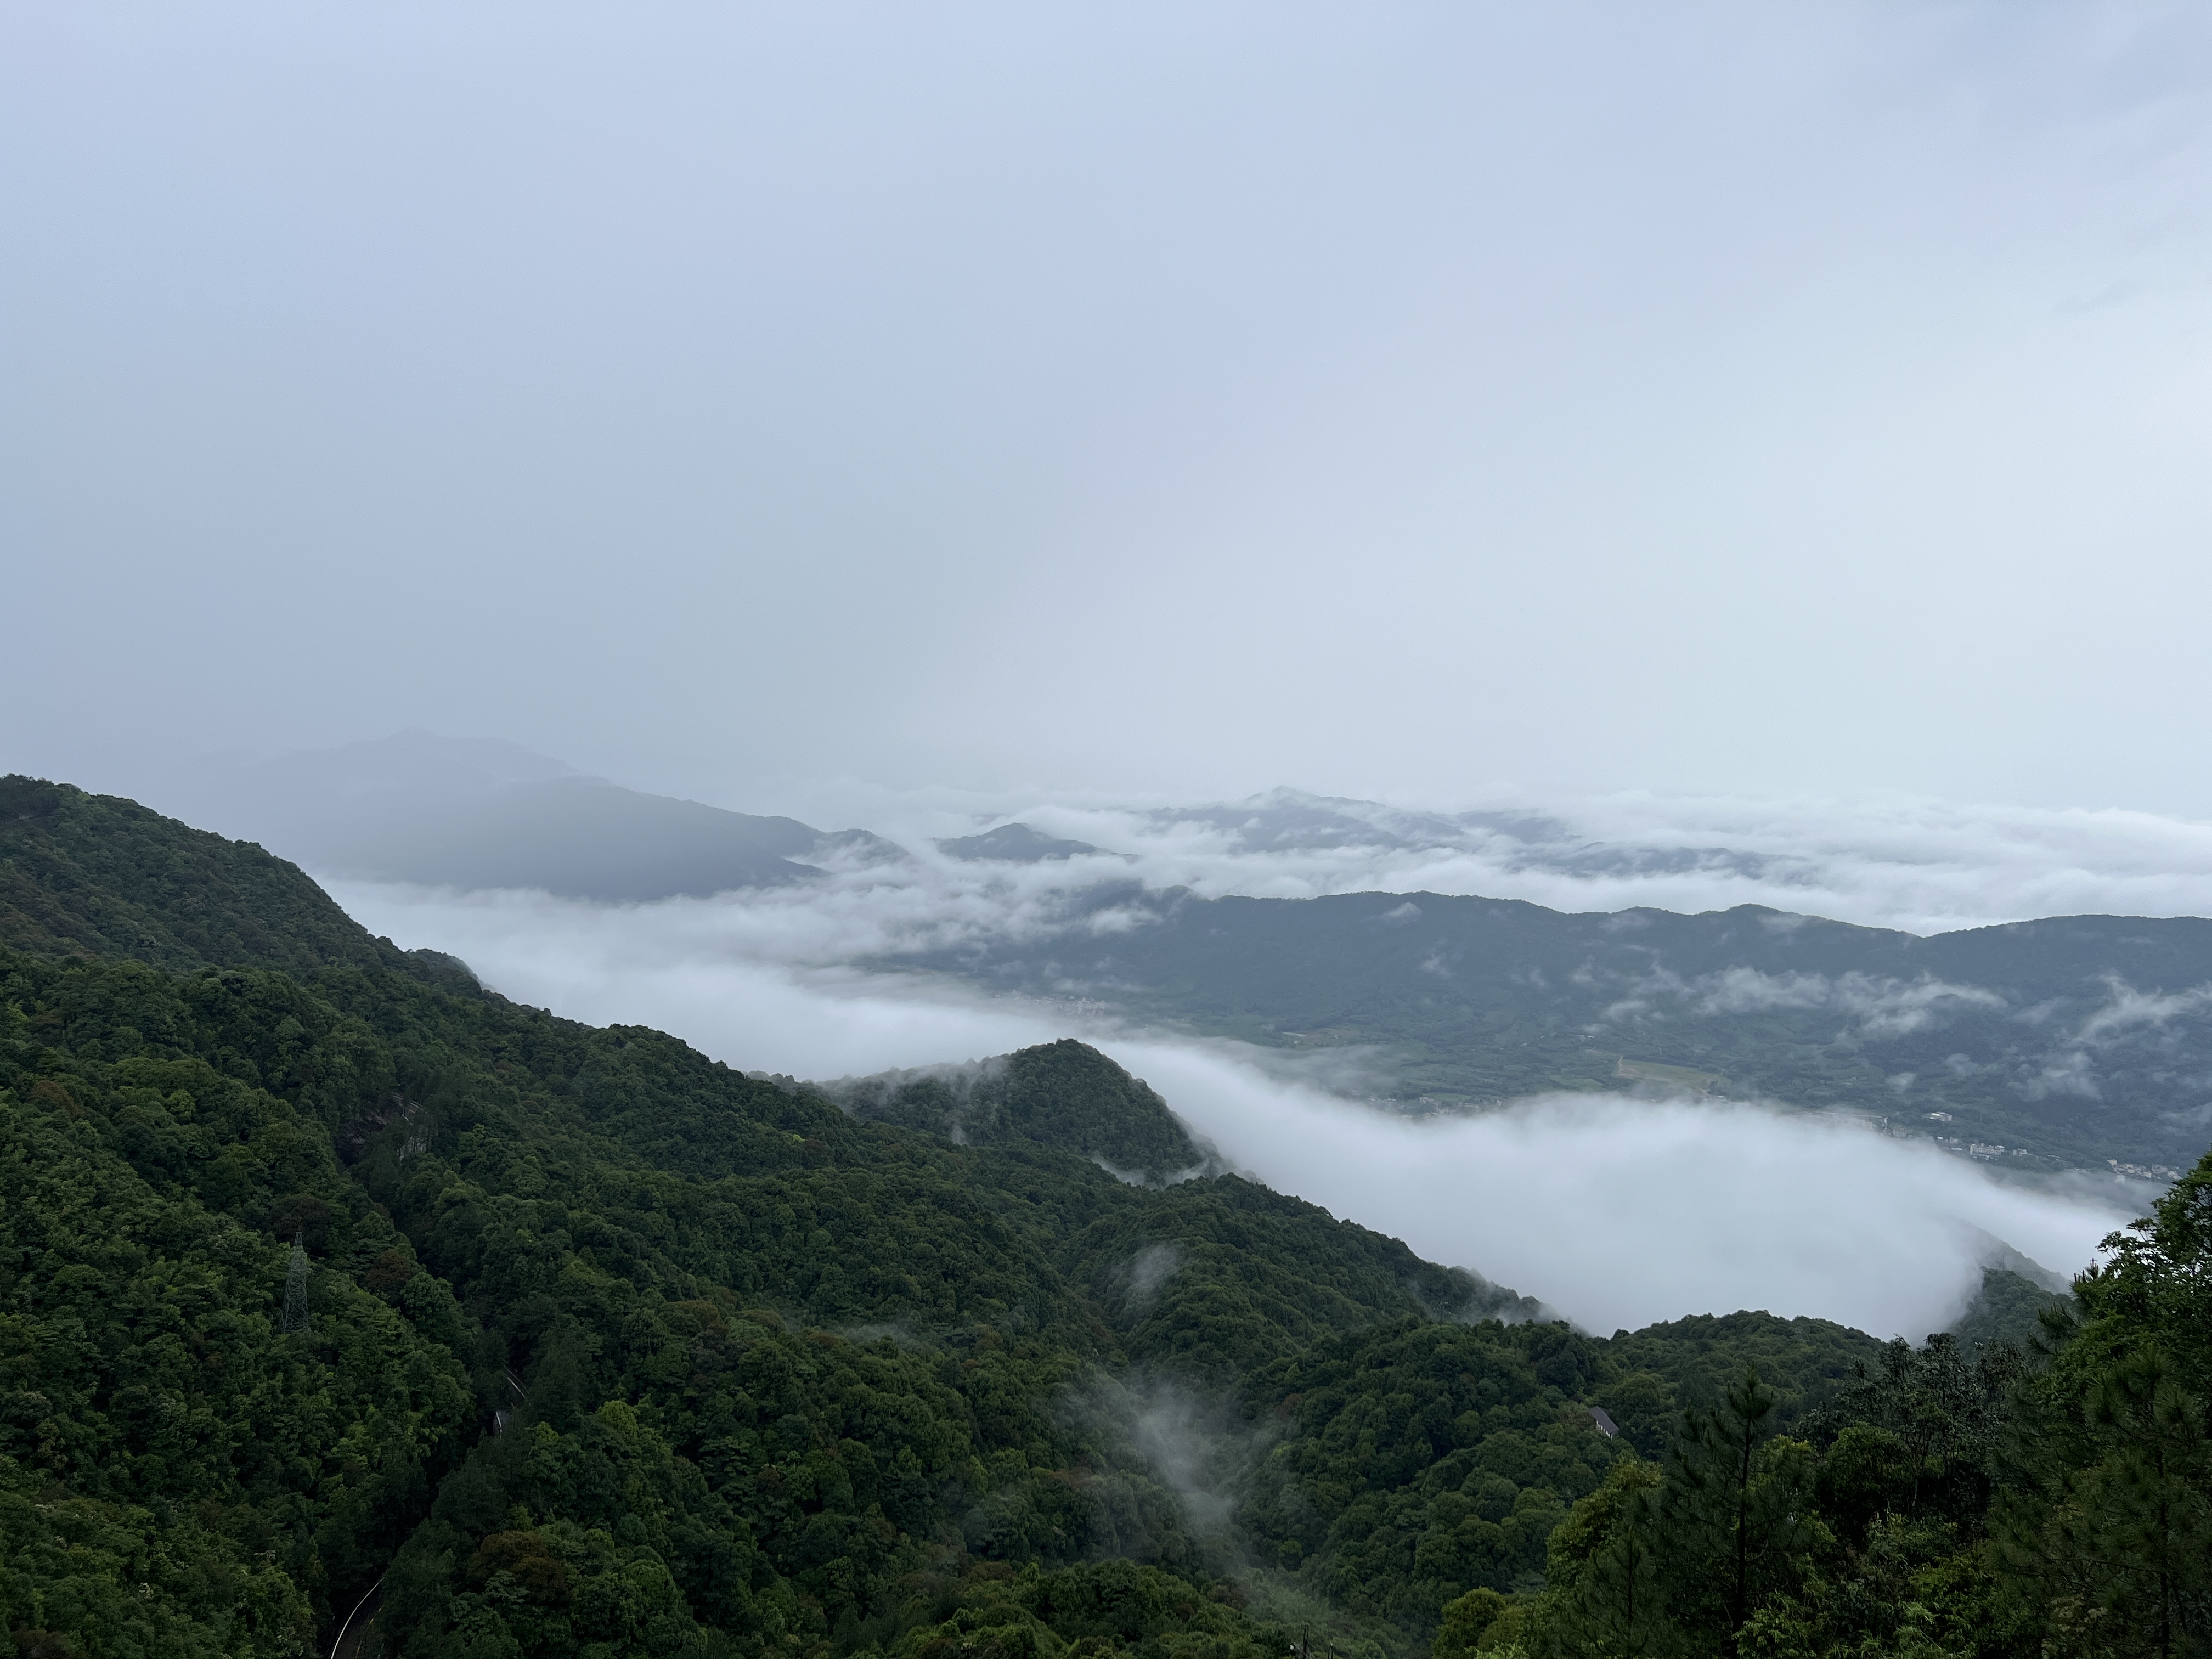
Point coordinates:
[[1174, 399]]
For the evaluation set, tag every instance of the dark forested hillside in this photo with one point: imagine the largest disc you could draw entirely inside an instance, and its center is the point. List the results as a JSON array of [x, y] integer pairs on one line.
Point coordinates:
[[775, 1293], [180, 1473], [2069, 1042], [95, 875], [89, 877], [571, 1341]]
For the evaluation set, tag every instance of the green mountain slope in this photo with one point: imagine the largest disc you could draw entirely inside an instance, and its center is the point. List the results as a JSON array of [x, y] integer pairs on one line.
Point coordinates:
[[95, 875], [2075, 1042], [704, 1283], [596, 1347], [91, 877]]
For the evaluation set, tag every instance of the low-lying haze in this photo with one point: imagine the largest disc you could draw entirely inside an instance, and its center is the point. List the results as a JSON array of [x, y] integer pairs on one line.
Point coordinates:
[[485, 813]]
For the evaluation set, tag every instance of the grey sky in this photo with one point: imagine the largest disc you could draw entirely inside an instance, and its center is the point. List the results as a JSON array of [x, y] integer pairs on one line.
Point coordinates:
[[1394, 400]]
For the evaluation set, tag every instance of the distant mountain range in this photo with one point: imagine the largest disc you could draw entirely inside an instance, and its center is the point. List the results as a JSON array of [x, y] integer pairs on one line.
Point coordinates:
[[484, 813], [1014, 843]]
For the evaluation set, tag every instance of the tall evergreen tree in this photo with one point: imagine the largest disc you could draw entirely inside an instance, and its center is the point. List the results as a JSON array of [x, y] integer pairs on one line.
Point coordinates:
[[1737, 1511], [1608, 1566], [2108, 1535], [1679, 1563]]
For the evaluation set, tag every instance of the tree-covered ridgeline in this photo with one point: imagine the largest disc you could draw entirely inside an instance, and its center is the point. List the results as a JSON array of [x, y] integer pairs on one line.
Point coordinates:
[[96, 876], [608, 1349], [2054, 1501]]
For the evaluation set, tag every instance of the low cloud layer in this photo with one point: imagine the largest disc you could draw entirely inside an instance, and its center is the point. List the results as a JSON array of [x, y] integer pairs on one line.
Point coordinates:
[[1921, 864], [1622, 1212], [1617, 1212], [1878, 1004], [756, 980]]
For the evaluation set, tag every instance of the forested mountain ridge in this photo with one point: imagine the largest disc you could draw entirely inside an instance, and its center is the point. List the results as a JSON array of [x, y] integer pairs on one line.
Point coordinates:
[[98, 877], [596, 1198], [2071, 1041], [628, 1229], [602, 1347]]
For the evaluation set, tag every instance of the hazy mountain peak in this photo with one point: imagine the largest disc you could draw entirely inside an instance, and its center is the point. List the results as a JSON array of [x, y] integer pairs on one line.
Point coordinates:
[[484, 812], [1014, 843], [418, 759]]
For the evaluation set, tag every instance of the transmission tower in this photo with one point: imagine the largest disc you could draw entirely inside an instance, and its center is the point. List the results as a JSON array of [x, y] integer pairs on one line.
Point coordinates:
[[295, 1286]]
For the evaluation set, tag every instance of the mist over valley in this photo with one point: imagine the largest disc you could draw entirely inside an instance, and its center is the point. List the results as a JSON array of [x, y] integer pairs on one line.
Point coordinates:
[[1888, 1101], [1227, 831]]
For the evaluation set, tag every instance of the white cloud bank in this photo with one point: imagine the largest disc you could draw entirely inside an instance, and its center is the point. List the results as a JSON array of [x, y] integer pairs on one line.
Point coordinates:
[[1884, 1007], [1618, 1212], [1921, 865], [1918, 864], [1622, 1212]]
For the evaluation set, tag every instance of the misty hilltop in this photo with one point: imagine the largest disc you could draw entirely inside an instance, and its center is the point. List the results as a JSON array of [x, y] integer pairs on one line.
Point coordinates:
[[1064, 1094], [482, 813], [1014, 843]]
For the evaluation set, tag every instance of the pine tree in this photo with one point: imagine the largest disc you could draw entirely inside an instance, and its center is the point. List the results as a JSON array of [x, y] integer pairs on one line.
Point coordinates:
[[1614, 1602], [2107, 1534], [1734, 1519], [2116, 1538], [1600, 1566], [295, 1287]]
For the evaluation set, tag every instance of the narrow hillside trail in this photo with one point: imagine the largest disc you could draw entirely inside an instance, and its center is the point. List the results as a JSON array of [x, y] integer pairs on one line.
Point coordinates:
[[352, 1639]]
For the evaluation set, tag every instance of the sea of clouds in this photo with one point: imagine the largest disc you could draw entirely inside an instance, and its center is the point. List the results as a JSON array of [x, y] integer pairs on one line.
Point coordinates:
[[1909, 862], [1616, 1211], [1921, 865]]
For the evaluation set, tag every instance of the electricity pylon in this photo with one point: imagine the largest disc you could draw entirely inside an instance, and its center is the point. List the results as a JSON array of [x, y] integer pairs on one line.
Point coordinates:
[[295, 1286]]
